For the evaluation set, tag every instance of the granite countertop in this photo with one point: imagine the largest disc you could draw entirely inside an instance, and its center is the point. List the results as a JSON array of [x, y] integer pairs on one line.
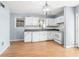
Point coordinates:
[[41, 30]]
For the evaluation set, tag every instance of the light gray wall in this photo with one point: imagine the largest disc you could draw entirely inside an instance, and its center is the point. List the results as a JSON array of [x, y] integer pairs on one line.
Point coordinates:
[[69, 27], [4, 28], [16, 33]]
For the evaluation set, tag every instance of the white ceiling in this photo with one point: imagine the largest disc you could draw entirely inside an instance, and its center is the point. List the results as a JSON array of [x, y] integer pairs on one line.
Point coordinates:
[[34, 7]]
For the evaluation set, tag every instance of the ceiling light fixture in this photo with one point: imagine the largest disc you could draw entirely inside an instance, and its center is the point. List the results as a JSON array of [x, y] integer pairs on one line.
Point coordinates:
[[46, 8]]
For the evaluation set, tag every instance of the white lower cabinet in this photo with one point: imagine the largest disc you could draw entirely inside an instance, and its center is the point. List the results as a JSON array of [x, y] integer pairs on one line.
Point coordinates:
[[43, 36], [58, 37], [39, 36], [27, 36], [50, 35], [35, 36]]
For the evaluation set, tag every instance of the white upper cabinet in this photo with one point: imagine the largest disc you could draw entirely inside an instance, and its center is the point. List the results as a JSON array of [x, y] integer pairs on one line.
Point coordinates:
[[31, 21], [35, 21], [52, 22], [28, 21], [46, 21], [59, 19]]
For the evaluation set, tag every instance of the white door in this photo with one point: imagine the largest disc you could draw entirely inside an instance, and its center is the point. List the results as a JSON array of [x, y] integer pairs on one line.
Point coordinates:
[[77, 31]]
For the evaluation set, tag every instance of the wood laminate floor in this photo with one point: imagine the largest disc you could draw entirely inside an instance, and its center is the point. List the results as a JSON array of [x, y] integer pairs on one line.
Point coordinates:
[[39, 49]]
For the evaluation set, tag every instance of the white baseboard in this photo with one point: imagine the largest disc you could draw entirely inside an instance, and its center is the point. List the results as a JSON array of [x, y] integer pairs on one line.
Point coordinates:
[[8, 45], [17, 40], [70, 46]]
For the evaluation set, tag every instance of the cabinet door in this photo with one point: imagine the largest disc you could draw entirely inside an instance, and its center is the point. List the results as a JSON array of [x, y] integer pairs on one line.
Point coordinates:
[[58, 38], [56, 20], [46, 22], [50, 22], [60, 19], [35, 21], [50, 35], [28, 21], [43, 36], [31, 21], [35, 37], [27, 36]]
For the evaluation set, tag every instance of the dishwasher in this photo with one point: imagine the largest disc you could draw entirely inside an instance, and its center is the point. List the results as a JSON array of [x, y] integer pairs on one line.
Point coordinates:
[[58, 37]]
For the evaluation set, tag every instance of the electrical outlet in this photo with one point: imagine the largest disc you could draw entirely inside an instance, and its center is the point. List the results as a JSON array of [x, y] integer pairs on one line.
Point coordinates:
[[2, 43]]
